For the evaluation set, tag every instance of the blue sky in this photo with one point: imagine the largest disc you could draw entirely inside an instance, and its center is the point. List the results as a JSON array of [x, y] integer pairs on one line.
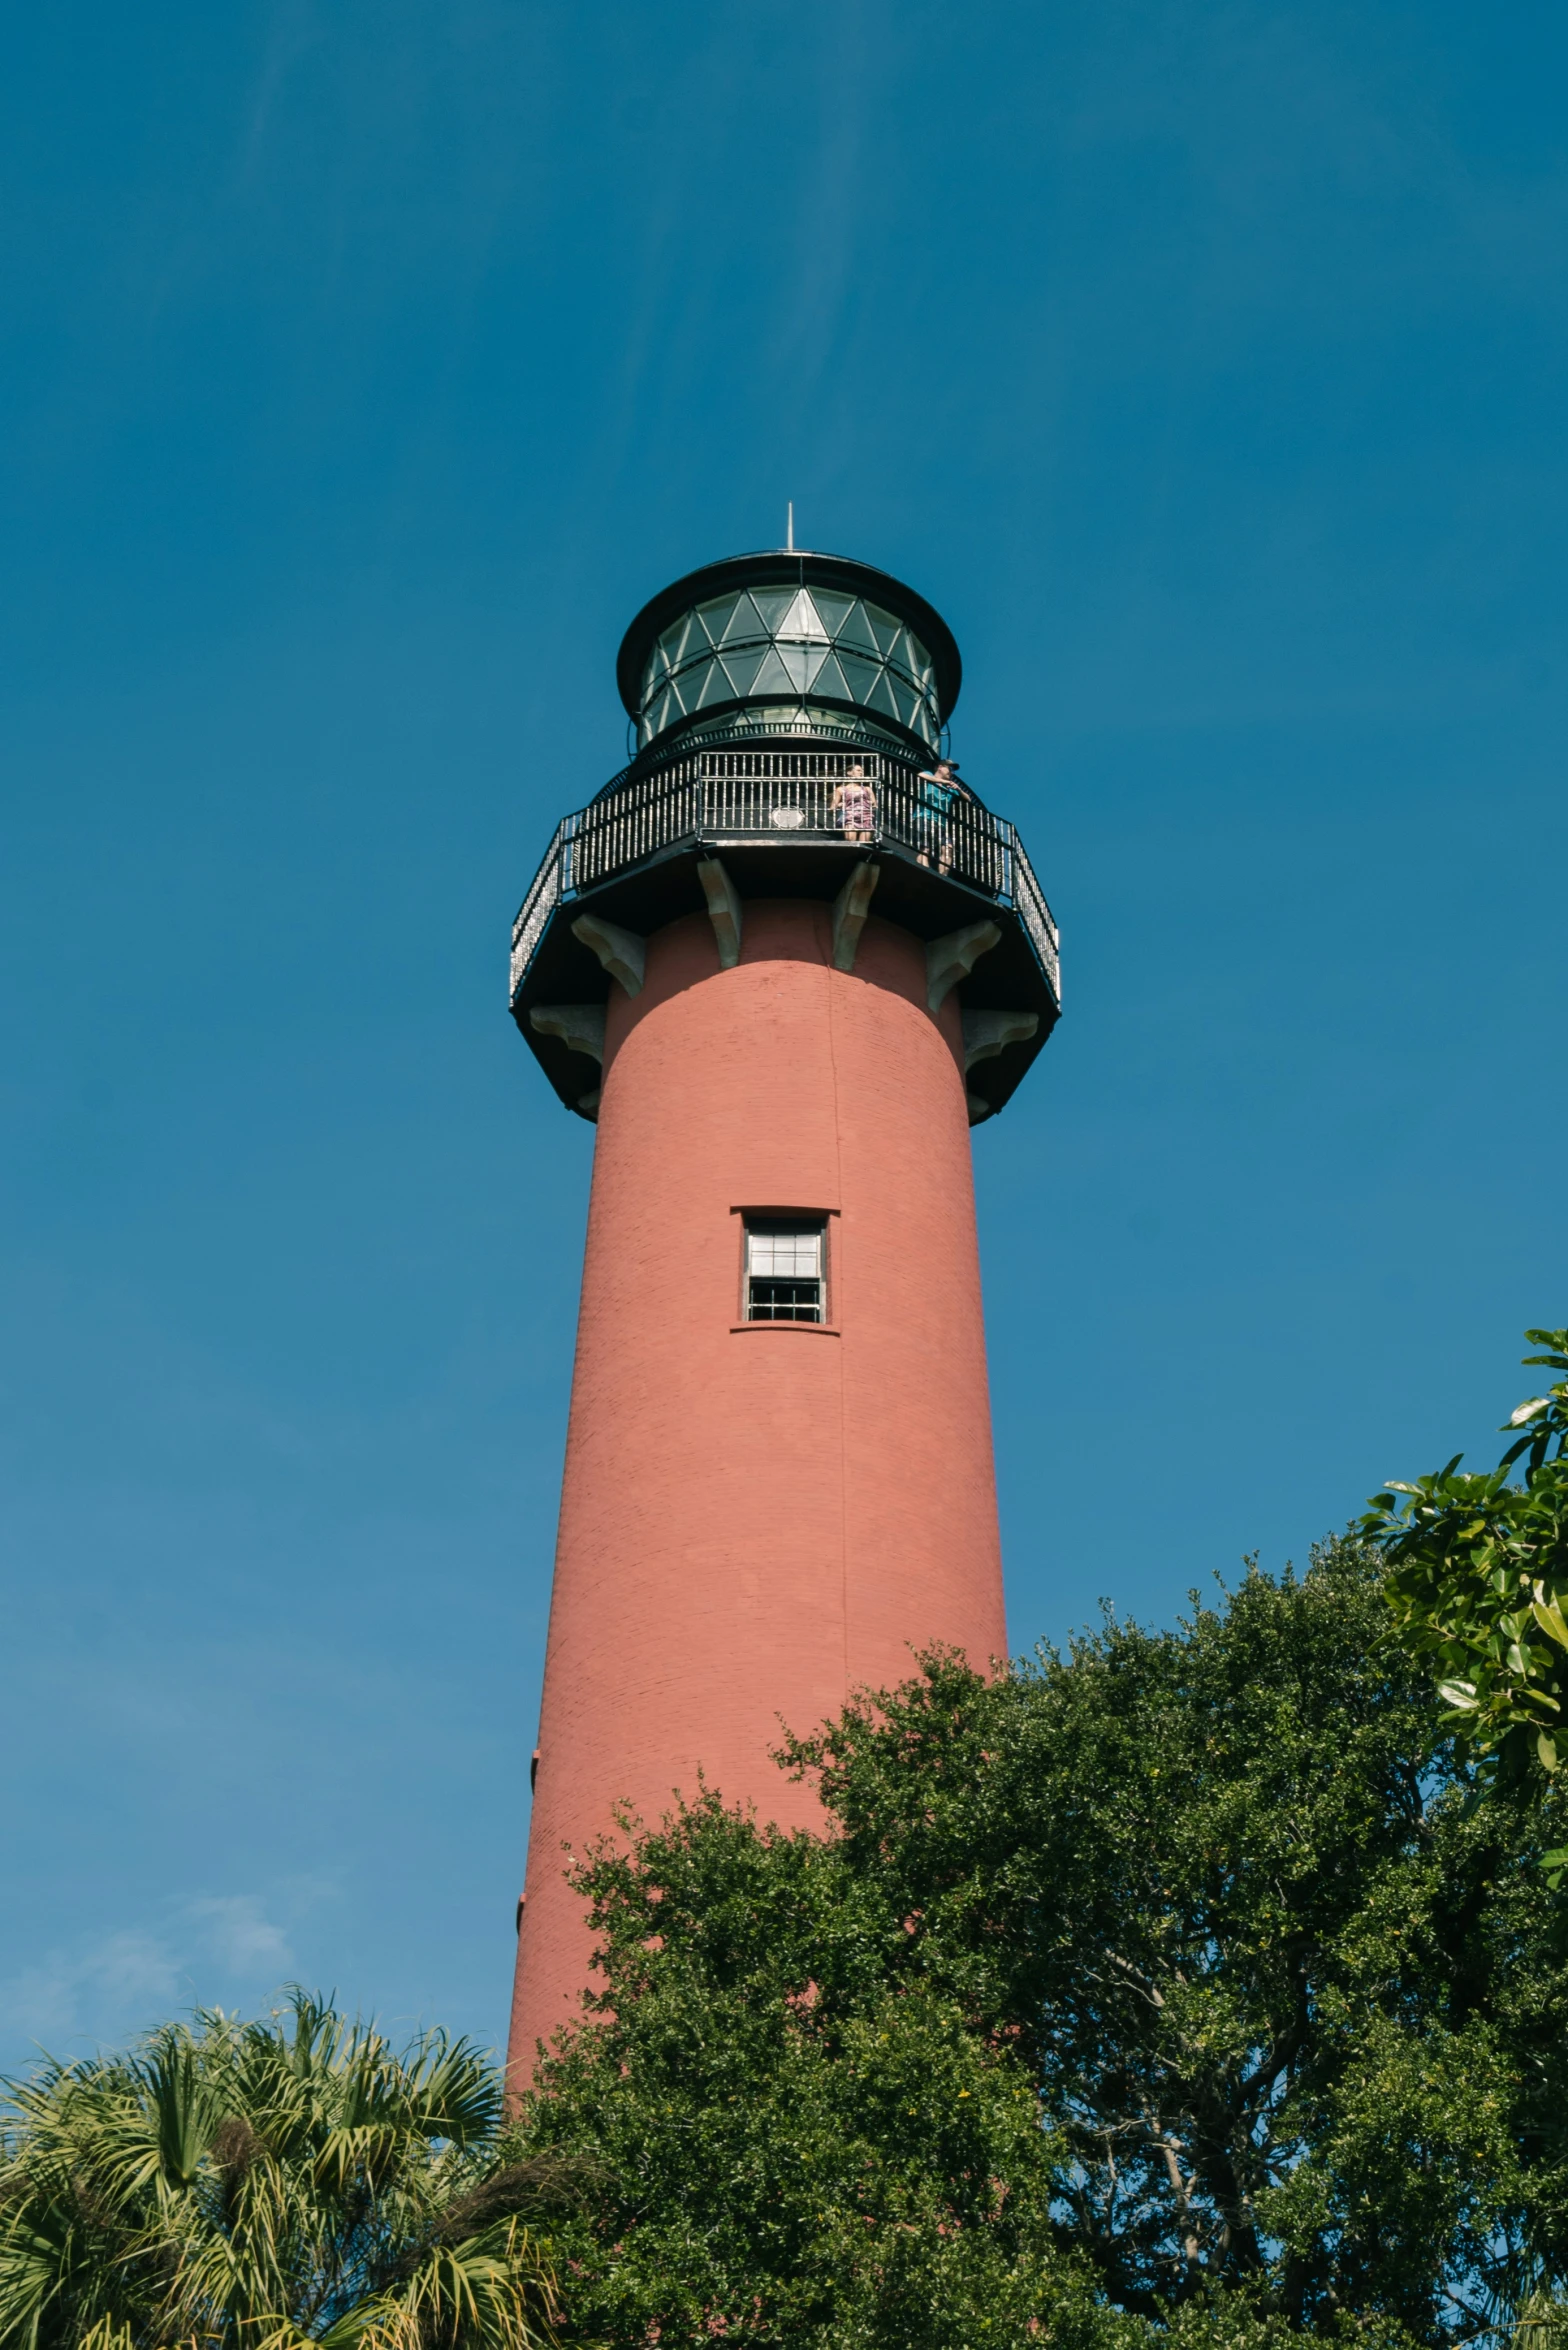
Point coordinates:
[[366, 366]]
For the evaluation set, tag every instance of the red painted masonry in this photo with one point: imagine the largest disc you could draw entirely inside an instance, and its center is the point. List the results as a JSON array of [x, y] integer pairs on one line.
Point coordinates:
[[757, 1519]]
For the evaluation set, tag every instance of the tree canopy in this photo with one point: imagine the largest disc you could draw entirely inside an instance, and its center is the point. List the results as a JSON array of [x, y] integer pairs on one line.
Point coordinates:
[[268, 2184], [1194, 1989], [1478, 1580], [1191, 1982]]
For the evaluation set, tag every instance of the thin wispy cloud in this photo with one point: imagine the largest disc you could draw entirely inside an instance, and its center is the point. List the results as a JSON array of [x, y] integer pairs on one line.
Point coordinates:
[[241, 1935], [125, 1972], [103, 1989]]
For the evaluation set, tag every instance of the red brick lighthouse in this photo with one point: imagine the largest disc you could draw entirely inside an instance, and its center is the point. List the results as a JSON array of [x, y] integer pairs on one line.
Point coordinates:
[[785, 960]]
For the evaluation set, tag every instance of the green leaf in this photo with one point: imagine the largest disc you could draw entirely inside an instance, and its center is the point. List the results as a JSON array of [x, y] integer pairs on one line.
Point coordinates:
[[1546, 1748], [1551, 1620]]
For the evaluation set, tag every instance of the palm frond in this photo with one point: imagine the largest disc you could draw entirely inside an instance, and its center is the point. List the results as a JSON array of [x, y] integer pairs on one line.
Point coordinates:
[[277, 2183]]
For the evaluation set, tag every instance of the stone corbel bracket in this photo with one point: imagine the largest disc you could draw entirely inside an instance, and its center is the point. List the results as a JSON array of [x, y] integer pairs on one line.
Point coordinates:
[[985, 1035], [950, 959], [849, 912], [988, 1033], [621, 952], [580, 1028], [724, 910]]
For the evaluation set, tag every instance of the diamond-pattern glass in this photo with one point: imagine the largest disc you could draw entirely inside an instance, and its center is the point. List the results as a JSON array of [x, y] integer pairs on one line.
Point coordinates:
[[772, 604], [881, 696], [857, 632], [802, 619], [744, 623], [773, 677], [777, 644], [860, 676]]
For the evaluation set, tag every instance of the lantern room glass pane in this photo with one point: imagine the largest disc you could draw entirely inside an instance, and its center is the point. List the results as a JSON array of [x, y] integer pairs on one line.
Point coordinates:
[[796, 641]]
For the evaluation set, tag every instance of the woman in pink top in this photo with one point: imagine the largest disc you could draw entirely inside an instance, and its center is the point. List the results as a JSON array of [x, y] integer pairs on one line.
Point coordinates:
[[855, 805]]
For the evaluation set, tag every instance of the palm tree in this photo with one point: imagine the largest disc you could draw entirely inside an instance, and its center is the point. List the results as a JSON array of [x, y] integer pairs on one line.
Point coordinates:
[[269, 2185]]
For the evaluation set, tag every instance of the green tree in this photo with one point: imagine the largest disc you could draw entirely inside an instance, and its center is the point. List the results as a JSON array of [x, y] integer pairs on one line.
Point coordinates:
[[274, 2184], [1478, 1580], [1188, 1983], [798, 2144]]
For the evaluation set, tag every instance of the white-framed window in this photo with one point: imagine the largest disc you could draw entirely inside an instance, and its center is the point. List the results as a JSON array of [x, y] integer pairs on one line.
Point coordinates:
[[786, 1269]]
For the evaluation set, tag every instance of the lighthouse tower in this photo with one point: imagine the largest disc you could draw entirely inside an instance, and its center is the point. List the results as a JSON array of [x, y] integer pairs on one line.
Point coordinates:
[[784, 961]]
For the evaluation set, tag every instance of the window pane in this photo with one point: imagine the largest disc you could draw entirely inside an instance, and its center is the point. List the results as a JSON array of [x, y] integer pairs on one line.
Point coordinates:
[[744, 622], [787, 1255], [857, 631], [772, 603], [784, 1301], [716, 687]]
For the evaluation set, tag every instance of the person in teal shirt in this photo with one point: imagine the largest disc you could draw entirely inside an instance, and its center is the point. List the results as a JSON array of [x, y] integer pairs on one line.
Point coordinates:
[[935, 791]]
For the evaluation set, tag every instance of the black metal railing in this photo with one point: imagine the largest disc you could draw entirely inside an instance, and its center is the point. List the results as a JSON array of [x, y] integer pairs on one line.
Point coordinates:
[[720, 796]]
